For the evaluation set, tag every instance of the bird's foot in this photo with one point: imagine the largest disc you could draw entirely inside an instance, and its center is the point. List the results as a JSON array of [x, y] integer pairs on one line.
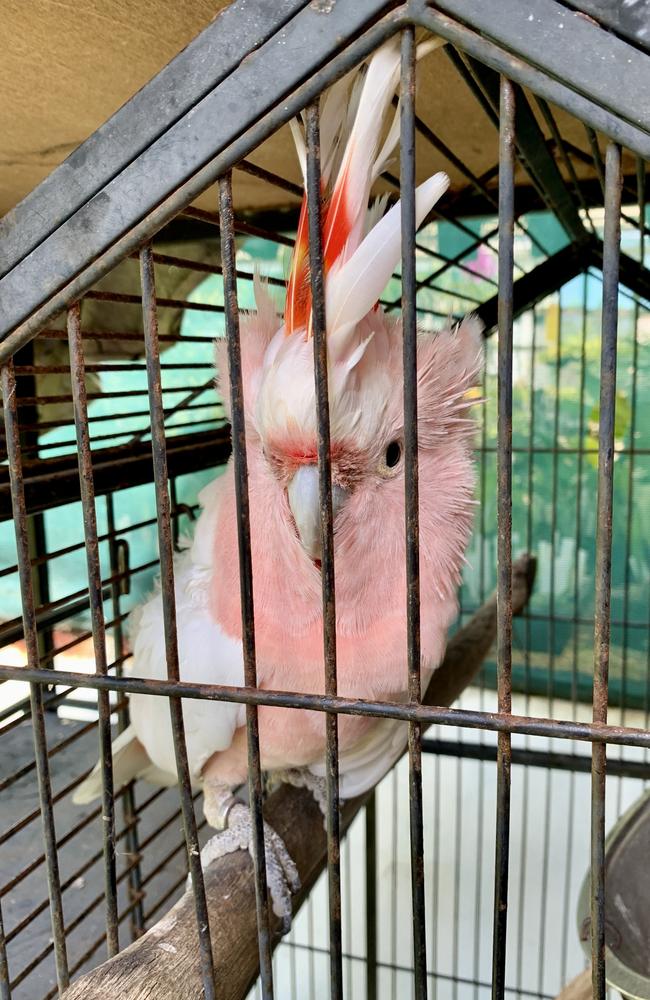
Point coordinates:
[[281, 873], [302, 777]]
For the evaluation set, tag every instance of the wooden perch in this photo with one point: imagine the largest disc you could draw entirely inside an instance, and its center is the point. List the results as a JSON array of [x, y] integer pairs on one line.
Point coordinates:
[[579, 988], [164, 962]]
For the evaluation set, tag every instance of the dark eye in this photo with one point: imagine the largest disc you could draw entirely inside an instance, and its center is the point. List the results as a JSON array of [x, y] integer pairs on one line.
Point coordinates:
[[393, 454]]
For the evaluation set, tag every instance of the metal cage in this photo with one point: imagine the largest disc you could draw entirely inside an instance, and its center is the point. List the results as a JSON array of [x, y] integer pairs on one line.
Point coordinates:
[[569, 138]]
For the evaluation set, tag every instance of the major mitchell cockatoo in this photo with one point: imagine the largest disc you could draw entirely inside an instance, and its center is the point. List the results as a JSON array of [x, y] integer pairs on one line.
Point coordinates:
[[361, 249]]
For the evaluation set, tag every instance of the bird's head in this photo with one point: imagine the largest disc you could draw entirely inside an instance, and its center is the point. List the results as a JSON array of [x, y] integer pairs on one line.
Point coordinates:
[[361, 249], [367, 458]]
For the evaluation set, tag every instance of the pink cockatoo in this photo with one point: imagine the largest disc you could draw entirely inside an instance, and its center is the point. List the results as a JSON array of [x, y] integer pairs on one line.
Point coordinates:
[[361, 249]]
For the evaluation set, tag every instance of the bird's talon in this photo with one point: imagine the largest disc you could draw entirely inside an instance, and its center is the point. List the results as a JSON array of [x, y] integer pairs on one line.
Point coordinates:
[[281, 873]]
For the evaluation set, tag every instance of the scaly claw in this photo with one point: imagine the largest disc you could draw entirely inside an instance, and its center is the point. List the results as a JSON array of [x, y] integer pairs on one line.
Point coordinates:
[[281, 873]]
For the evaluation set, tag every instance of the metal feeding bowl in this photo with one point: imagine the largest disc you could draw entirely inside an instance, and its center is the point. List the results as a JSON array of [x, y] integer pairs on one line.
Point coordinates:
[[627, 903]]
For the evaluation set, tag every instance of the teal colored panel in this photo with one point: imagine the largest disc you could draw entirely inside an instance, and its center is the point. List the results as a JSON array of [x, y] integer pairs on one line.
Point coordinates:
[[452, 241], [547, 231]]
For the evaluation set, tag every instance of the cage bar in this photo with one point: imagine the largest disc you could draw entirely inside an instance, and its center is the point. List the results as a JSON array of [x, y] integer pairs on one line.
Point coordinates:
[[318, 321], [78, 376], [411, 501], [159, 453], [36, 691], [245, 578], [504, 527], [603, 573]]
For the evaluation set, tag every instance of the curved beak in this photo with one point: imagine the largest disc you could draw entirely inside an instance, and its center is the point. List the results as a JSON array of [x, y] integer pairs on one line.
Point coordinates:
[[305, 507]]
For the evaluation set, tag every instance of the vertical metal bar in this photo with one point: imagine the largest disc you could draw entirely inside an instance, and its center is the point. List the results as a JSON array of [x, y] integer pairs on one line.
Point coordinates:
[[175, 519], [457, 855], [641, 198], [542, 962], [596, 156], [96, 600], [478, 903], [159, 455], [327, 542], [371, 898], [436, 827], [12, 431], [611, 251], [5, 989], [226, 222], [523, 837], [26, 387], [554, 508], [347, 851], [135, 890], [310, 938], [504, 525], [41, 577], [409, 321], [393, 898], [578, 522]]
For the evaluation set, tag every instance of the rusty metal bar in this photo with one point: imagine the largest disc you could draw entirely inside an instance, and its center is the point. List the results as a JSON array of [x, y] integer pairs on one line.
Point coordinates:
[[244, 228], [102, 418], [255, 790], [5, 989], [371, 897], [318, 319], [12, 431], [126, 298], [246, 167], [504, 722], [171, 260], [629, 512], [54, 481], [603, 571], [66, 397], [48, 333], [96, 597], [106, 367], [109, 536], [504, 525], [411, 501], [128, 798], [159, 454], [66, 607], [36, 532]]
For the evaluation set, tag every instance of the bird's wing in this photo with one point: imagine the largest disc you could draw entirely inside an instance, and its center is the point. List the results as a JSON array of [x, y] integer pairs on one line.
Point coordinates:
[[366, 763], [206, 656], [130, 760]]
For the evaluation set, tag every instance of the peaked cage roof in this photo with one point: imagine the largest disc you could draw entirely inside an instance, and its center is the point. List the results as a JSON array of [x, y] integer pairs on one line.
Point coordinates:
[[582, 75]]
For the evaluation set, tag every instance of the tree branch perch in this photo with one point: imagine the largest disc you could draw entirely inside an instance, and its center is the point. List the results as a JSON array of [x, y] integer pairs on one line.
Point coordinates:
[[165, 961]]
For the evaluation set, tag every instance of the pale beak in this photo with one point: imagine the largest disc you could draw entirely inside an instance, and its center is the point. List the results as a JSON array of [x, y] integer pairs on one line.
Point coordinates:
[[305, 507]]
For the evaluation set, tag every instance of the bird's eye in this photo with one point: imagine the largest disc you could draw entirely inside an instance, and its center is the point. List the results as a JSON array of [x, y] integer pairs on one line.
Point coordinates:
[[393, 454], [391, 459]]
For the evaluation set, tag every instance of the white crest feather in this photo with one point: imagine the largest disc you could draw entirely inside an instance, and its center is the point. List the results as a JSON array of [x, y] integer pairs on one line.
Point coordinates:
[[354, 288]]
